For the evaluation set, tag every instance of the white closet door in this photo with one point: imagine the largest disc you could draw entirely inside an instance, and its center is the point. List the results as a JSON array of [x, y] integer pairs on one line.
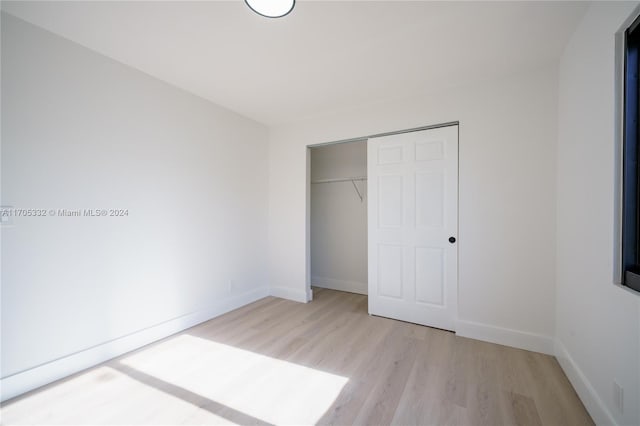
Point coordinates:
[[413, 223]]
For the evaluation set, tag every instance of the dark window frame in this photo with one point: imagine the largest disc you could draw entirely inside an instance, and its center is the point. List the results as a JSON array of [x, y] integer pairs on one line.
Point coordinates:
[[630, 159]]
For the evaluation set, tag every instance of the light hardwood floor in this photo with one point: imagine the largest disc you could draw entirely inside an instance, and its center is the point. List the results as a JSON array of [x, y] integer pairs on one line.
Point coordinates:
[[326, 362]]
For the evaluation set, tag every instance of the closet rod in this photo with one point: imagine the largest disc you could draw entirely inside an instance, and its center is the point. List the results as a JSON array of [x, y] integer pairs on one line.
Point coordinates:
[[347, 179]]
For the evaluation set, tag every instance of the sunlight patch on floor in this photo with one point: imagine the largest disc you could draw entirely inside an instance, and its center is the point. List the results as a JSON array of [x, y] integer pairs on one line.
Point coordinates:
[[99, 396], [265, 388]]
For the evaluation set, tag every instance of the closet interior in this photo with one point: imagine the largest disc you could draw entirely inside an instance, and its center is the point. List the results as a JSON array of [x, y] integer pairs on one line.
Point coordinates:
[[338, 210]]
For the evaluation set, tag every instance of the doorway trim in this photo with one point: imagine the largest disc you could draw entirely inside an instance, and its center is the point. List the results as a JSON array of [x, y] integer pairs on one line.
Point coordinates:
[[309, 291]]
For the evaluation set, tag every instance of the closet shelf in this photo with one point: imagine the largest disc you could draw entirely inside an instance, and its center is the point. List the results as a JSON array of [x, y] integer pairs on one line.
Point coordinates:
[[352, 179], [345, 179]]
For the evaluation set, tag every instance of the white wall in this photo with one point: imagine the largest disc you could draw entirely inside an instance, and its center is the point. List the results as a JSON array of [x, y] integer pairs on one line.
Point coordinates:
[[507, 198], [598, 323], [81, 131], [339, 218]]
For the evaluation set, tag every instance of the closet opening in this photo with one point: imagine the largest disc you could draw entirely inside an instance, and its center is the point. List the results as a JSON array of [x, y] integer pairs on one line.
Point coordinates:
[[382, 220], [338, 216]]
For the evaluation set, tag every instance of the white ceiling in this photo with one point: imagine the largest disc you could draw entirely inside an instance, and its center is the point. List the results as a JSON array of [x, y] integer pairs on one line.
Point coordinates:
[[324, 56]]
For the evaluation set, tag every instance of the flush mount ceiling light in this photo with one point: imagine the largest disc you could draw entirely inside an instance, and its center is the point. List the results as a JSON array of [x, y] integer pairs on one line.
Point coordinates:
[[271, 8]]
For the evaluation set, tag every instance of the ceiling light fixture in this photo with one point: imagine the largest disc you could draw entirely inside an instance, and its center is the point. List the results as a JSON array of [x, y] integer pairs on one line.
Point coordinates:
[[271, 8]]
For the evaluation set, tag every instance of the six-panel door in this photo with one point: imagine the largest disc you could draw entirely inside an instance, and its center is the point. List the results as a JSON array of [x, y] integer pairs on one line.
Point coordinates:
[[413, 212]]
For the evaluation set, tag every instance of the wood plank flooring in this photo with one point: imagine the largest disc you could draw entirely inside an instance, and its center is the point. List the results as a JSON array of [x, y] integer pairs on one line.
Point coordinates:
[[326, 362]]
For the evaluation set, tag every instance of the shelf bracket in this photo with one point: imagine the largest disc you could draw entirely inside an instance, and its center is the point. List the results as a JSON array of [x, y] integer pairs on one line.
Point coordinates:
[[357, 190]]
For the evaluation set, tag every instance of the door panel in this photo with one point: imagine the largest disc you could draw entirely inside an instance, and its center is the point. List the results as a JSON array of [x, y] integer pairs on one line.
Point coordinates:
[[390, 211], [390, 264], [413, 208], [429, 199], [429, 275]]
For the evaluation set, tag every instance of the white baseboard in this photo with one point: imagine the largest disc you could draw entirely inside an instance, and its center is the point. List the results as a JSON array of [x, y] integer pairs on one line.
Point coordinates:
[[342, 285], [297, 295], [505, 336], [19, 383], [588, 395]]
